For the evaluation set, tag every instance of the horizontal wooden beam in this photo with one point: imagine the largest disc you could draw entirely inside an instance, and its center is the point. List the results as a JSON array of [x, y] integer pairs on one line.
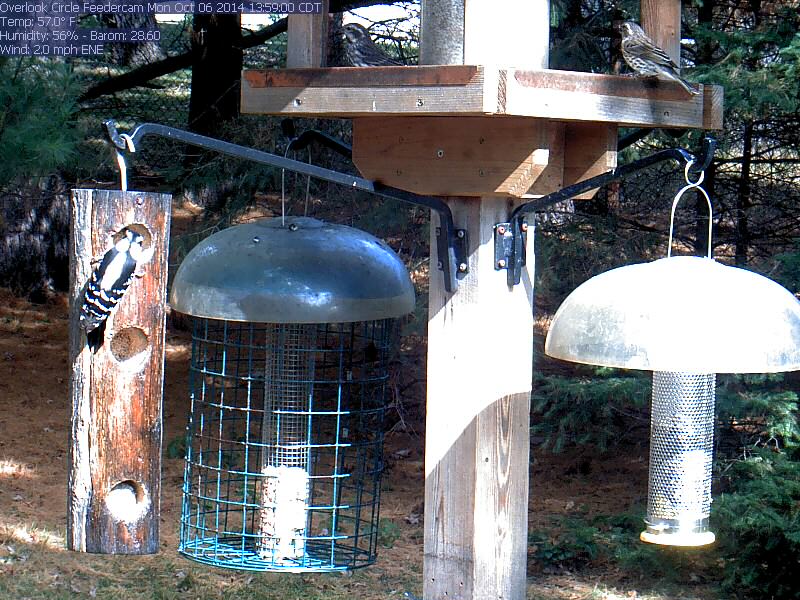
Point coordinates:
[[465, 90], [348, 77], [447, 156]]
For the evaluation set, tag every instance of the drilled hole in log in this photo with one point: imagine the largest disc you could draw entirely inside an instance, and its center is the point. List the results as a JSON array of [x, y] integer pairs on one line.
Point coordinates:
[[127, 501], [139, 228], [129, 347]]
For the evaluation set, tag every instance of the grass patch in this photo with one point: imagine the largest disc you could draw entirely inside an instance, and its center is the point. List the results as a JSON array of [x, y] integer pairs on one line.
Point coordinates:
[[607, 544], [33, 566]]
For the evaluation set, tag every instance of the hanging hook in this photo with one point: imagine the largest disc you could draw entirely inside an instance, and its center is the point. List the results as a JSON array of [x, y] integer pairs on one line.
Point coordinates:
[[703, 160], [283, 188], [688, 169], [696, 186], [123, 170], [121, 141], [113, 134]]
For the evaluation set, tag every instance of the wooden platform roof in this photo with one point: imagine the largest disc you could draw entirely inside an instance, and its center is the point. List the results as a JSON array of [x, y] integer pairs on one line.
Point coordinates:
[[479, 90]]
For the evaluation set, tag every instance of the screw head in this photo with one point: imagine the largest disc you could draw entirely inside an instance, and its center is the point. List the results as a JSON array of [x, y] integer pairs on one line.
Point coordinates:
[[501, 230], [298, 101], [524, 226], [139, 201], [440, 153], [501, 263], [462, 267], [460, 234]]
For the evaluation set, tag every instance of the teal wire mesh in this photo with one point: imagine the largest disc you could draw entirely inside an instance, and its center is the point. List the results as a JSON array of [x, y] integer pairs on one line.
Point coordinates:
[[284, 450]]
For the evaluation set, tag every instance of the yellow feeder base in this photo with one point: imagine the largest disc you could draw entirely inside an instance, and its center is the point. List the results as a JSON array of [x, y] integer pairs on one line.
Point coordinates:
[[680, 538]]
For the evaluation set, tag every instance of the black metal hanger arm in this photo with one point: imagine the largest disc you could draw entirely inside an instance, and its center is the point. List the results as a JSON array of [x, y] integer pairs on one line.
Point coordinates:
[[516, 257], [451, 243]]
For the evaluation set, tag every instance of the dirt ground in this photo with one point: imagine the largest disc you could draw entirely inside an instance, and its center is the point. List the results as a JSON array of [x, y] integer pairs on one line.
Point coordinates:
[[34, 429]]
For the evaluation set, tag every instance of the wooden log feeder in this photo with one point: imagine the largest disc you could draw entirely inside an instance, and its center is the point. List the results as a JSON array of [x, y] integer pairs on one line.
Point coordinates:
[[483, 123], [115, 435]]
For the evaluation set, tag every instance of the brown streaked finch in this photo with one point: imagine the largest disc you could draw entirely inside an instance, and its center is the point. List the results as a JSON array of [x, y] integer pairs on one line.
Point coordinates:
[[647, 59], [361, 51]]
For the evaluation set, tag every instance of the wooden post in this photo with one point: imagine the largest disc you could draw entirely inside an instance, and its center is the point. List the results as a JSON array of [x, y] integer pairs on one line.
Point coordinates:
[[307, 39], [480, 349], [115, 437], [661, 19], [479, 32]]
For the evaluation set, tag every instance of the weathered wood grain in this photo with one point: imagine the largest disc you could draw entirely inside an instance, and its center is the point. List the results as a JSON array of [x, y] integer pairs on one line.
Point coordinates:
[[591, 149], [464, 156], [458, 90], [661, 20], [356, 77], [115, 445], [480, 343], [568, 96], [307, 43]]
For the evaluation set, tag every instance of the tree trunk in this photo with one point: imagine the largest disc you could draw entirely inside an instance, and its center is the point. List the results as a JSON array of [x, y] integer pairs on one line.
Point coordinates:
[[133, 54], [704, 56], [216, 71], [336, 53], [742, 236]]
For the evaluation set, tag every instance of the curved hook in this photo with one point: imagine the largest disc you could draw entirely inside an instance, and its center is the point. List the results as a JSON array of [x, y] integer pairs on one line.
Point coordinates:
[[688, 169], [691, 185], [113, 134], [706, 155]]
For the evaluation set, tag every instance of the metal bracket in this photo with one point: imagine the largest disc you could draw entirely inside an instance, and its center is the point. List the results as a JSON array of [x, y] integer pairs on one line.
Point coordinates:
[[460, 244], [516, 259], [451, 242], [509, 248]]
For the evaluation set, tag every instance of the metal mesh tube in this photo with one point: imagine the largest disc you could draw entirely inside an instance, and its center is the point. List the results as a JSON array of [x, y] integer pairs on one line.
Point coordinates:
[[288, 393], [681, 446], [288, 388]]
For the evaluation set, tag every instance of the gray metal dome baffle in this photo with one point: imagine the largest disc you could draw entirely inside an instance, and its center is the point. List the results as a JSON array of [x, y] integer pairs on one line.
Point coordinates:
[[292, 332]]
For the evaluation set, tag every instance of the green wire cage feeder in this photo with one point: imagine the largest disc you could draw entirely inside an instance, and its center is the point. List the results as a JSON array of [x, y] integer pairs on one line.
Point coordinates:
[[293, 324]]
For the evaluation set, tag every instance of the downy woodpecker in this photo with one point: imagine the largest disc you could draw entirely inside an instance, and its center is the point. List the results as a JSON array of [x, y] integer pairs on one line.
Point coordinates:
[[108, 284]]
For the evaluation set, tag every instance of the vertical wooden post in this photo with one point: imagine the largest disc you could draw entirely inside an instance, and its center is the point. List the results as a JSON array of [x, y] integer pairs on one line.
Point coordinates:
[[307, 39], [661, 19], [480, 349], [473, 32], [115, 437]]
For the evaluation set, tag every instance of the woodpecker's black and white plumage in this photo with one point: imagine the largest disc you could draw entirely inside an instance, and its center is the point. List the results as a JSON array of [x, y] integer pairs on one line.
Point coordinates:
[[361, 51], [109, 282]]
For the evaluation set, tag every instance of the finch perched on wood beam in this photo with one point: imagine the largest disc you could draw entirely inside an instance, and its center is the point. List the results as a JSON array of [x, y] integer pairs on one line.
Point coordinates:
[[647, 59], [361, 51]]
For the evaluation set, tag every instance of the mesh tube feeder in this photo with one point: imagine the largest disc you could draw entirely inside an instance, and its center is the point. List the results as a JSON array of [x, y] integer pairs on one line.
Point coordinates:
[[292, 328], [685, 318]]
